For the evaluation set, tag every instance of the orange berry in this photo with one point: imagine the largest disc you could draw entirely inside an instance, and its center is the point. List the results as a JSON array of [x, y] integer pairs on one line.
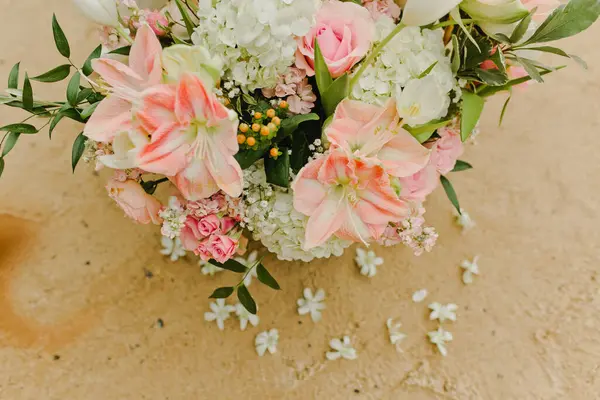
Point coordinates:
[[256, 127], [241, 139], [257, 115], [251, 141], [244, 128], [283, 104], [270, 113], [265, 131], [274, 152], [277, 121]]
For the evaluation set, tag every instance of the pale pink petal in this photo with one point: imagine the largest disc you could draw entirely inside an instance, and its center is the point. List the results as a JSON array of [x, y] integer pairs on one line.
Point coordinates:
[[327, 219], [225, 169], [195, 182], [167, 155], [356, 230], [337, 168], [112, 116], [309, 193], [125, 81], [145, 56], [195, 102], [157, 108], [404, 155]]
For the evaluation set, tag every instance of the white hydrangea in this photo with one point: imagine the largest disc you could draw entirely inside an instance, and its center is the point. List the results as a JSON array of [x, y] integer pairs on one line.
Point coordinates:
[[272, 219], [254, 38], [400, 65]]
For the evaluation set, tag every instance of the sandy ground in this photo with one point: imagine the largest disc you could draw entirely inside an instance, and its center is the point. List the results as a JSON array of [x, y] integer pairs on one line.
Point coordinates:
[[78, 316]]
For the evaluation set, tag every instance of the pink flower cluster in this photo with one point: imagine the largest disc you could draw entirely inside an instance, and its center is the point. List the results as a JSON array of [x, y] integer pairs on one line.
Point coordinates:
[[411, 232], [211, 229], [294, 87], [378, 8]]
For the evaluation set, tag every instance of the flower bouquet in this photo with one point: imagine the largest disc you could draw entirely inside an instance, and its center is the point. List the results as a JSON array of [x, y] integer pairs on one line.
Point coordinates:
[[304, 125]]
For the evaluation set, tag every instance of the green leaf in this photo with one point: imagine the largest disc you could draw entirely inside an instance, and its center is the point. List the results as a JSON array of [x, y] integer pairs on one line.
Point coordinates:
[[455, 14], [123, 51], [10, 142], [1, 166], [300, 151], [77, 151], [248, 157], [222, 293], [84, 94], [87, 112], [289, 125], [522, 27], [492, 77], [62, 44], [27, 94], [19, 128], [461, 166], [504, 107], [423, 132], [567, 20], [13, 77], [455, 55], [230, 265], [322, 74], [472, 106], [428, 70], [73, 89], [530, 68], [559, 52], [189, 25], [87, 66], [249, 99], [54, 75], [278, 171], [66, 111], [246, 299], [265, 277], [450, 192], [336, 92], [491, 90]]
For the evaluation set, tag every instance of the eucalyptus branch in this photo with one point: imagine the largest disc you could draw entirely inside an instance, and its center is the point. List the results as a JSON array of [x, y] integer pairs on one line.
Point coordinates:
[[256, 264]]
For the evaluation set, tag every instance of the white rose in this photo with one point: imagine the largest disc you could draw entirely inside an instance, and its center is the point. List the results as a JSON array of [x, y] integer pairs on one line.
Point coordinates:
[[195, 59], [495, 11], [422, 101], [425, 12], [103, 12]]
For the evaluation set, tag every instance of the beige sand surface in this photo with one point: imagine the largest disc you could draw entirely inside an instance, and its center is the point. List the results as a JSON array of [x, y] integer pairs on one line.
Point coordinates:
[[78, 317]]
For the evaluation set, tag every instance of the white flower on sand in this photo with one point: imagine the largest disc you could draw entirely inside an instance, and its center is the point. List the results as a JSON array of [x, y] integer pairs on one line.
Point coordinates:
[[266, 341], [245, 316], [396, 336], [172, 248], [343, 349], [471, 268], [312, 304], [443, 312], [249, 262], [422, 100], [367, 261], [419, 295], [464, 220], [219, 312], [440, 338], [208, 268]]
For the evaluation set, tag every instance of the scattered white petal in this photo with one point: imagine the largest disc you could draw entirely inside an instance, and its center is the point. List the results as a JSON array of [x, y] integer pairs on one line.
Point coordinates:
[[249, 262], [471, 268], [172, 248], [419, 295], [266, 341], [245, 316], [208, 268], [312, 304], [367, 261], [343, 349], [396, 336], [464, 220], [443, 312], [219, 312], [440, 338]]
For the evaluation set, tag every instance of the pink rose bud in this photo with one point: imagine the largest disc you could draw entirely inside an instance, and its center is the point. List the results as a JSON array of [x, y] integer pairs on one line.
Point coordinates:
[[227, 224], [158, 22], [446, 150], [209, 225], [137, 204], [221, 247]]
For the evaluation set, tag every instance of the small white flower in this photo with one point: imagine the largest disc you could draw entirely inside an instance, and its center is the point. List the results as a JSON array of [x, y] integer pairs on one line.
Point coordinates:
[[312, 304], [266, 341], [245, 316], [367, 261], [220, 312], [419, 295], [343, 348], [440, 338], [249, 263], [443, 312], [464, 220], [208, 268], [396, 336], [172, 248], [471, 268]]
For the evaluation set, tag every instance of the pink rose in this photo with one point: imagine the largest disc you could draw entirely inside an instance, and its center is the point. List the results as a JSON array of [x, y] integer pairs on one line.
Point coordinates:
[[377, 8], [227, 224], [446, 150], [209, 225], [420, 185], [218, 247], [158, 22], [344, 31], [137, 204]]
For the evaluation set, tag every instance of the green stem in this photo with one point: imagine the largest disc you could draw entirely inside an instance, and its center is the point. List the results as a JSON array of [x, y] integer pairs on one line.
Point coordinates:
[[240, 283], [451, 22], [124, 34], [374, 55]]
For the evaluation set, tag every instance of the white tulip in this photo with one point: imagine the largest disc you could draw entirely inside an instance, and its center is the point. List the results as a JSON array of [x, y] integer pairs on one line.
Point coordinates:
[[425, 12], [495, 11], [104, 12]]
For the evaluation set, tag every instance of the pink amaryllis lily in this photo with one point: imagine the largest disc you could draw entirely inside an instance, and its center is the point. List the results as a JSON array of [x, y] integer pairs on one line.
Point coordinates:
[[192, 139], [346, 196], [375, 133]]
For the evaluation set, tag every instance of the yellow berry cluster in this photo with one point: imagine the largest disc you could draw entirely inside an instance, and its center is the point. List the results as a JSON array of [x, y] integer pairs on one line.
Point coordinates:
[[264, 127]]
